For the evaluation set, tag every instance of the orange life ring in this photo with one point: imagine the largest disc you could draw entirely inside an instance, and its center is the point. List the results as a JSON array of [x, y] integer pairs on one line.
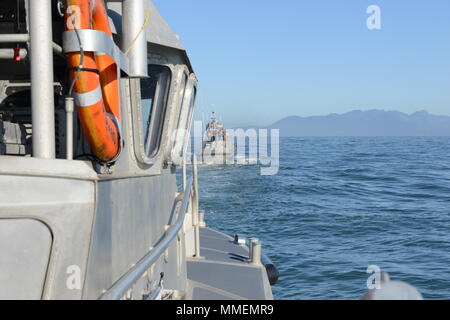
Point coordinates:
[[100, 114]]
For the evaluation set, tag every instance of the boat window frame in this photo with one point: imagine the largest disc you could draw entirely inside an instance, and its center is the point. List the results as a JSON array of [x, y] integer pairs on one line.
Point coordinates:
[[184, 120], [162, 106]]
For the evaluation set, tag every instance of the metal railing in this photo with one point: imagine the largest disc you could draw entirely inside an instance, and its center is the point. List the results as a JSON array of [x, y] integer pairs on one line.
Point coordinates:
[[196, 219], [25, 37], [126, 282], [195, 207]]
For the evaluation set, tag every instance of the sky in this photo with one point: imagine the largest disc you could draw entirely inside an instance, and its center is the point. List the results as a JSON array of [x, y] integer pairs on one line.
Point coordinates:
[[258, 61]]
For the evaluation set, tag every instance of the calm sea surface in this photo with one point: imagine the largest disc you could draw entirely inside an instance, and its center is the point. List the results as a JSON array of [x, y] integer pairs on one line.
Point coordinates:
[[337, 206]]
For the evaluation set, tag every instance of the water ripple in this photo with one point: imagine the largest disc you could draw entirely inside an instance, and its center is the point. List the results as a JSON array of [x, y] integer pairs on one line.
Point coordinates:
[[338, 205]]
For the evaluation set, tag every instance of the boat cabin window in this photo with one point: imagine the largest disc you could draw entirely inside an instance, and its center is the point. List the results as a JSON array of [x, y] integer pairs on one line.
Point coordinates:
[[182, 95], [154, 95], [191, 108], [181, 139], [184, 119]]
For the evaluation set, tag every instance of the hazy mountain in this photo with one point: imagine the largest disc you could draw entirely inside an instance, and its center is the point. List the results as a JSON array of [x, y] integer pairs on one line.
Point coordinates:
[[366, 123]]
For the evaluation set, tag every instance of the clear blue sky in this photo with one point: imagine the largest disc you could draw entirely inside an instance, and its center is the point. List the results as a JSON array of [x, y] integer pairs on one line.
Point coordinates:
[[259, 60]]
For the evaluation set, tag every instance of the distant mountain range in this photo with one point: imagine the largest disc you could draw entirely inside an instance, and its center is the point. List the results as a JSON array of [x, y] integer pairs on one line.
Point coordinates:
[[366, 123]]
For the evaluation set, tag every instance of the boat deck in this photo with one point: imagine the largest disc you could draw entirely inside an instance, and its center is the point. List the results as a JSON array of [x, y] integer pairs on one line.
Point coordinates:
[[223, 271]]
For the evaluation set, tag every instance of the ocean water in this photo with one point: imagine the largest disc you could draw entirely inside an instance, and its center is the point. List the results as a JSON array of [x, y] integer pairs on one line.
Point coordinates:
[[338, 205]]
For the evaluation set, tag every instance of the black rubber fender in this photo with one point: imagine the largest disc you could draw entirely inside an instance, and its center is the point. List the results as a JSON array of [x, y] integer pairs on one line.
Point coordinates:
[[271, 269]]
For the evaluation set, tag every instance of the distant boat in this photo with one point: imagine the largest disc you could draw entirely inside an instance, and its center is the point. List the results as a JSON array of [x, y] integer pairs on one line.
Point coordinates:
[[217, 143]]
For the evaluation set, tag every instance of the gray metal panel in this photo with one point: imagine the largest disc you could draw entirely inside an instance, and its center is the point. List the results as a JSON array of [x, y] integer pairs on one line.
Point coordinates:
[[131, 217], [244, 281], [225, 270], [65, 205], [80, 170], [158, 30], [25, 246]]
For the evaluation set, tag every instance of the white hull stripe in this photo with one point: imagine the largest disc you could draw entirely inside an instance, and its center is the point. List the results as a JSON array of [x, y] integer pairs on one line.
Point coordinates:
[[88, 99]]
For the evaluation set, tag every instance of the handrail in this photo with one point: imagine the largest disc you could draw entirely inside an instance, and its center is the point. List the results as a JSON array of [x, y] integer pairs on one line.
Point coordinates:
[[195, 207], [119, 289], [25, 37]]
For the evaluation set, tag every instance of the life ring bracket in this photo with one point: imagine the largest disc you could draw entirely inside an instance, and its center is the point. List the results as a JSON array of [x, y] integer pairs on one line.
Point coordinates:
[[95, 41]]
